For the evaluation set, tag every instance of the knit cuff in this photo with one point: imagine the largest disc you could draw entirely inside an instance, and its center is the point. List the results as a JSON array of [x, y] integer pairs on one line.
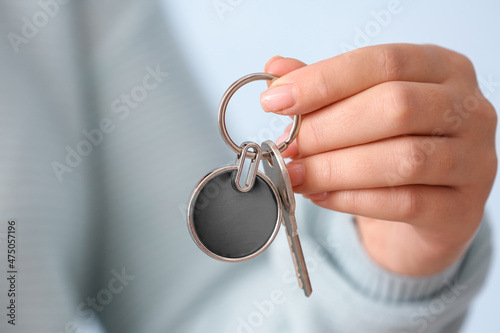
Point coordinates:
[[339, 236]]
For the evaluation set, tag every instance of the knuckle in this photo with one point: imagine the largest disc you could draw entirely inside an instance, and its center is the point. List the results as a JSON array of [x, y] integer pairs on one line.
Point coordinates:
[[459, 62], [462, 66], [490, 114], [450, 159], [351, 199], [463, 63], [413, 160], [315, 134], [322, 85], [392, 62], [444, 96], [485, 116], [410, 204], [326, 173], [400, 102]]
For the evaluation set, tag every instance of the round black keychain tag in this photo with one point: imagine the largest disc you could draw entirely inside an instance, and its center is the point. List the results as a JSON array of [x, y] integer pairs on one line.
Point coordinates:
[[231, 225]]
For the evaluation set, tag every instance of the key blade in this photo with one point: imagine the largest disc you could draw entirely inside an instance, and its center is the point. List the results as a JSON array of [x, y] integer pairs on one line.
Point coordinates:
[[276, 170], [297, 255]]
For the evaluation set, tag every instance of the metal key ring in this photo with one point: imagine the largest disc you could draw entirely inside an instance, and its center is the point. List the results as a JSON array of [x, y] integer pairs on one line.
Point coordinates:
[[222, 115]]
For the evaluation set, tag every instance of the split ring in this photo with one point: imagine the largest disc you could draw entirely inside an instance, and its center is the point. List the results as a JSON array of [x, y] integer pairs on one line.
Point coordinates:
[[222, 115]]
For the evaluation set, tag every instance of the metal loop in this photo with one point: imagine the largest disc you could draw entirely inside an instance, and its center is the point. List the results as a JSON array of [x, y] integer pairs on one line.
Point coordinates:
[[222, 115], [252, 169]]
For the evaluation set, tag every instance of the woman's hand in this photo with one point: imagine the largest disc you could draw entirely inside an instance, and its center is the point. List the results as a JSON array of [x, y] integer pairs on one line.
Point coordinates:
[[392, 133]]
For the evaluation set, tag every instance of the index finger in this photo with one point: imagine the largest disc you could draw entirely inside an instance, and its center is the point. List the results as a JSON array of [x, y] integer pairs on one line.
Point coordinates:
[[312, 87]]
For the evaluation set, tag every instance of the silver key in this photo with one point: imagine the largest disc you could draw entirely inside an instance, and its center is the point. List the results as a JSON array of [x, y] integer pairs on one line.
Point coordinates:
[[276, 170]]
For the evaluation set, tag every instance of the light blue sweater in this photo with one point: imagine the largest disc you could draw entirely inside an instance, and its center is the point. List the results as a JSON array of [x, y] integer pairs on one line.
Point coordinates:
[[103, 135]]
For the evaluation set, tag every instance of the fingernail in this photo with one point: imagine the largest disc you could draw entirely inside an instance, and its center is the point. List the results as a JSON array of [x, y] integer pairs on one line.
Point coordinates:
[[277, 99], [297, 173], [316, 196]]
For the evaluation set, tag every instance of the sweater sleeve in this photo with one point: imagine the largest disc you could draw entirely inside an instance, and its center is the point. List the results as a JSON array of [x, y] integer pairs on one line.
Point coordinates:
[[352, 293]]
